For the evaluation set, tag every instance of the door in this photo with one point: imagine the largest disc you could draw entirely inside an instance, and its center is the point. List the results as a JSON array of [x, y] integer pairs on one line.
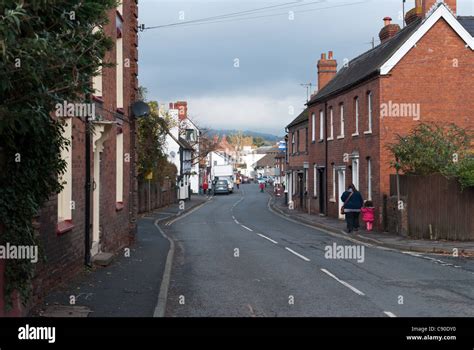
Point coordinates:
[[301, 189], [322, 191], [341, 184]]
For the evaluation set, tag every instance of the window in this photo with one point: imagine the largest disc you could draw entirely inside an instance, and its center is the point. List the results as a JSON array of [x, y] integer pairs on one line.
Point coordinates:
[[331, 124], [313, 127], [315, 180], [293, 143], [119, 61], [369, 179], [333, 194], [356, 112], [341, 112], [119, 167], [65, 203], [369, 113], [321, 125]]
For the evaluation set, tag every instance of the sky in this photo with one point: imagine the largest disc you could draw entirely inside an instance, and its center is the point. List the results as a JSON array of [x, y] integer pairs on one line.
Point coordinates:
[[245, 69]]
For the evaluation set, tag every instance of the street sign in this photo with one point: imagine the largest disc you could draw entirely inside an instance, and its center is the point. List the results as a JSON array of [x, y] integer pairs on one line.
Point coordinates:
[[149, 176]]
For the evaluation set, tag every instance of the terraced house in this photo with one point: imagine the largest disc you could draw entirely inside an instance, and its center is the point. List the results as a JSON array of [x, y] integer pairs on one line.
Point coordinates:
[[420, 73], [68, 239]]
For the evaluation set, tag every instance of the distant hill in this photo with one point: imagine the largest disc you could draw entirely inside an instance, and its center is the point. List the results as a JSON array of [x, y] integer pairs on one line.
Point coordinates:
[[267, 137]]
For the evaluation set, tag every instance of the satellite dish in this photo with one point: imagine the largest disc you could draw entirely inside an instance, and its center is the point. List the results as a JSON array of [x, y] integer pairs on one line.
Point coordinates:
[[140, 109]]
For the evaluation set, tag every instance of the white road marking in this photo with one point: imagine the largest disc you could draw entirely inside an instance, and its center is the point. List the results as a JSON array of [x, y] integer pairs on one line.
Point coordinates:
[[245, 227], [297, 254], [355, 290], [389, 314], [238, 223], [271, 240]]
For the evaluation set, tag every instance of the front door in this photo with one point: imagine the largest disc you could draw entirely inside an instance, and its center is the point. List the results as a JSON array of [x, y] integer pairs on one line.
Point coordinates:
[[322, 191], [341, 176]]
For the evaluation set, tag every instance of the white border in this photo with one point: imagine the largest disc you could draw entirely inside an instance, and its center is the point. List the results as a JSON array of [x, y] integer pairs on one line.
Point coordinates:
[[441, 12]]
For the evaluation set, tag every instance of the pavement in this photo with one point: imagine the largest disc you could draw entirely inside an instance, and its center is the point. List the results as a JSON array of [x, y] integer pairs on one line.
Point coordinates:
[[236, 257], [129, 286], [383, 239]]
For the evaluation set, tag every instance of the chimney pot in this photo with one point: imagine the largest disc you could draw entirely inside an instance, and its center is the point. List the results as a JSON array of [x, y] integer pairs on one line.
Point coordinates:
[[330, 55], [387, 20], [323, 56]]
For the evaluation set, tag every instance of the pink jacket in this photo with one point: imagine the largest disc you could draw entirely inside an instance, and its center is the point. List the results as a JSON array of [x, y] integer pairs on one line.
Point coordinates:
[[368, 214]]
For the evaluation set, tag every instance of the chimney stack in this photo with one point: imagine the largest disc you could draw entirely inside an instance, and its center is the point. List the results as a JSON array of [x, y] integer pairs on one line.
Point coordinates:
[[422, 7], [327, 69], [427, 4], [389, 30]]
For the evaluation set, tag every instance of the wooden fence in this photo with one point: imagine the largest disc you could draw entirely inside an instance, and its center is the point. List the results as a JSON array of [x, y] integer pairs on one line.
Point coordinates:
[[152, 195], [436, 207]]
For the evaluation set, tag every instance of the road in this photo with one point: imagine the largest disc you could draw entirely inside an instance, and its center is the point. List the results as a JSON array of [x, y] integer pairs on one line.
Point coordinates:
[[236, 258]]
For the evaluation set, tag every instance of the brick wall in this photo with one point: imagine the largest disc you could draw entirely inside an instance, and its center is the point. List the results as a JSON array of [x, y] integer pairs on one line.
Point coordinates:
[[65, 253]]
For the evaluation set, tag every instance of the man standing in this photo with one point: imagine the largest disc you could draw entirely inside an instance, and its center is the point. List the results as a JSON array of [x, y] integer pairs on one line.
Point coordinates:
[[353, 202]]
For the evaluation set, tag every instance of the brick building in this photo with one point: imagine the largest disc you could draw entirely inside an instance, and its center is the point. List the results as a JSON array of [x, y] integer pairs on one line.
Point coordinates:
[[61, 223], [297, 161], [417, 74]]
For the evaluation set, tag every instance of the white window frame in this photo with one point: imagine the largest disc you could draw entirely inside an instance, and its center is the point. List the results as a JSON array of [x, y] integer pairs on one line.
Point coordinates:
[[369, 179], [342, 126], [119, 72], [356, 107], [315, 180], [331, 124], [65, 196], [333, 194], [119, 168], [313, 127], [321, 125], [369, 113]]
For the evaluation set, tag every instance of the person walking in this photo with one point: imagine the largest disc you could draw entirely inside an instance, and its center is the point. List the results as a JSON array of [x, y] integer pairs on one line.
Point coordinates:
[[262, 186], [238, 182], [368, 215], [205, 187], [353, 202]]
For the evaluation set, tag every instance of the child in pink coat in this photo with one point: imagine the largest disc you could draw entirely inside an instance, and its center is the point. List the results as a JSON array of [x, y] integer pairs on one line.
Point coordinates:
[[368, 214]]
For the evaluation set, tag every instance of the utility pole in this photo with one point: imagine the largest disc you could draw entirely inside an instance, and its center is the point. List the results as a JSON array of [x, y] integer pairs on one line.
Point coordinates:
[[308, 88]]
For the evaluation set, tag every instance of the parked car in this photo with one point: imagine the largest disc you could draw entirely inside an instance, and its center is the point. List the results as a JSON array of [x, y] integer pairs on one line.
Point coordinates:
[[221, 186], [261, 180]]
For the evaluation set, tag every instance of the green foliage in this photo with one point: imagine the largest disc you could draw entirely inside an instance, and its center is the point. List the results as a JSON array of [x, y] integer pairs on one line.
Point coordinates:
[[259, 141], [151, 138], [432, 148], [48, 54]]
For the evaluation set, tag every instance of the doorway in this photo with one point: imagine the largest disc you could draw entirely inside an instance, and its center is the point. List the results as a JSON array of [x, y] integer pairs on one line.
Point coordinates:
[[322, 190], [341, 184]]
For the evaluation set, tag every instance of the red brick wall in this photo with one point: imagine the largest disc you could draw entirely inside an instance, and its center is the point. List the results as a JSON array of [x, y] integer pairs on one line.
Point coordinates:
[[365, 144], [427, 75], [65, 253], [297, 159]]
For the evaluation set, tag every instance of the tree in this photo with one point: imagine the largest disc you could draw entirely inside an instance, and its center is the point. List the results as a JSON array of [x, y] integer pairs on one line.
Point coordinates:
[[48, 54], [151, 141], [433, 148]]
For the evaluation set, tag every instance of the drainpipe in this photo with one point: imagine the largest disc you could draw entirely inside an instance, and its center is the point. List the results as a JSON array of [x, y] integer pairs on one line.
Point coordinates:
[[87, 211]]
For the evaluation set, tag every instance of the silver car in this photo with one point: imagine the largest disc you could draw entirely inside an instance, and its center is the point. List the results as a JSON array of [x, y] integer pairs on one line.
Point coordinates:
[[221, 186]]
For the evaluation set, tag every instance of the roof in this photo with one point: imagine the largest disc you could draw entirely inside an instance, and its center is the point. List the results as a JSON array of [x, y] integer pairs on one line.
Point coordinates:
[[268, 160], [366, 65], [468, 23], [382, 58], [303, 117]]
